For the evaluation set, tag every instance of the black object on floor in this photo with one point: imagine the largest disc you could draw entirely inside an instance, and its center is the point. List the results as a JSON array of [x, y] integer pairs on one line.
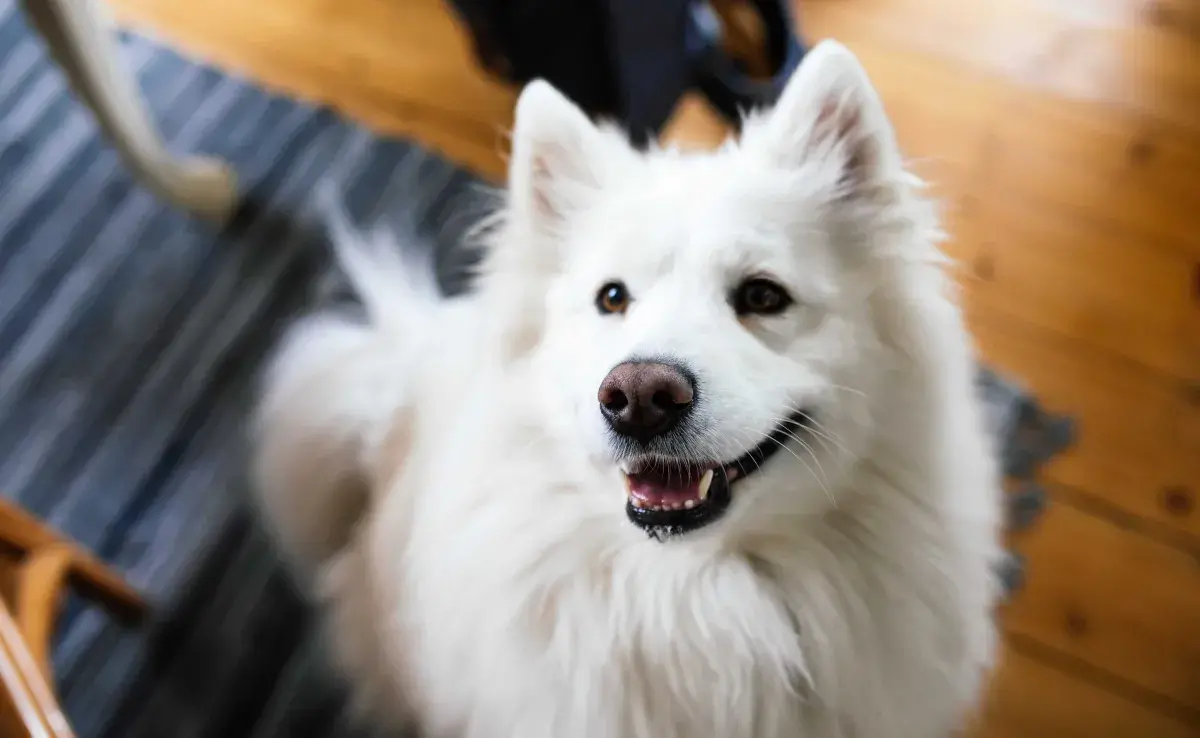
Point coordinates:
[[631, 60]]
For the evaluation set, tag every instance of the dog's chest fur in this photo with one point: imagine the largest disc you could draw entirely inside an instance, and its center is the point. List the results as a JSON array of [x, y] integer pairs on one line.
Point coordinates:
[[516, 590]]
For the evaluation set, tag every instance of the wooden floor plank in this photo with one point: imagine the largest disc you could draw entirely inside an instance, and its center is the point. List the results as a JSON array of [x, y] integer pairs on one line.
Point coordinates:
[[1114, 599], [1126, 170], [1143, 67], [400, 67], [1079, 277], [1128, 450], [1029, 699], [1181, 17], [1110, 166]]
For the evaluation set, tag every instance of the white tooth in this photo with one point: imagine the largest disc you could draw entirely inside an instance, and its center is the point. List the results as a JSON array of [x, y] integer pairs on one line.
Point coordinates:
[[705, 481], [636, 502], [689, 504], [677, 506]]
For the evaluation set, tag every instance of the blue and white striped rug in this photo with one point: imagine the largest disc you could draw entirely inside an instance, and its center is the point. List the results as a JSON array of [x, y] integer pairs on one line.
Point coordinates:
[[130, 336]]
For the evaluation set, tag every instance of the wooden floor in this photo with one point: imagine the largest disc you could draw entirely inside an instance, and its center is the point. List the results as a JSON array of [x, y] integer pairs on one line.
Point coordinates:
[[1064, 136]]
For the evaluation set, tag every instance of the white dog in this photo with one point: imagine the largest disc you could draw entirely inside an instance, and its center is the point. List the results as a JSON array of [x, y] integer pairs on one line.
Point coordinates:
[[700, 458]]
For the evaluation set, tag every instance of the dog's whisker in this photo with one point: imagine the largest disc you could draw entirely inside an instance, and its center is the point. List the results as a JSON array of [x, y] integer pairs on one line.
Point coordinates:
[[746, 452], [817, 461], [811, 425], [819, 432], [825, 444], [851, 390], [816, 478], [811, 453], [822, 435], [752, 433]]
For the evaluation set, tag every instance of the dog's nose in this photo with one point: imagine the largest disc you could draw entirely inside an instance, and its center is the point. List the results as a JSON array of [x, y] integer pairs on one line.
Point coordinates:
[[643, 400]]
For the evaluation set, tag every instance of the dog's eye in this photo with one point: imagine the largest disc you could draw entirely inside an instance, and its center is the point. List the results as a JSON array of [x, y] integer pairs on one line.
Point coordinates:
[[612, 298], [760, 297]]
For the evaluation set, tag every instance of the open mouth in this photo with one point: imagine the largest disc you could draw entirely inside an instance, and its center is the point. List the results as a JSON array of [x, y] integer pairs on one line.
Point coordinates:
[[669, 497]]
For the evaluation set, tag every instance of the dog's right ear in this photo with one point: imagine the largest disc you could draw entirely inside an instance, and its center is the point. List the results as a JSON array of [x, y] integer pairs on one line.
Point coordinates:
[[557, 153]]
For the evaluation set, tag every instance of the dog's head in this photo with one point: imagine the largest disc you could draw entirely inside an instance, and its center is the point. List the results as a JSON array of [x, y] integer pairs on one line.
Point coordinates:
[[705, 323]]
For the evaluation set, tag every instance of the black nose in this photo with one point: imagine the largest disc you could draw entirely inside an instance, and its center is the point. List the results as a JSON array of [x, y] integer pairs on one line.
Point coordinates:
[[644, 400]]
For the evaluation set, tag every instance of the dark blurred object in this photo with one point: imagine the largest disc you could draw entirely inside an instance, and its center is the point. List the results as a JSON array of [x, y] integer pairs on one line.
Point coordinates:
[[631, 60]]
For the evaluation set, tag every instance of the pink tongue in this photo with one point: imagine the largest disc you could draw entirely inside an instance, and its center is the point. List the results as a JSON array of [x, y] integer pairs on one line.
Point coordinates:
[[662, 491]]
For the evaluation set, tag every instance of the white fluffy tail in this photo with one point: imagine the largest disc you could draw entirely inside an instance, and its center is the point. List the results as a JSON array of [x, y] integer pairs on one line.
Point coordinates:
[[392, 274], [334, 390]]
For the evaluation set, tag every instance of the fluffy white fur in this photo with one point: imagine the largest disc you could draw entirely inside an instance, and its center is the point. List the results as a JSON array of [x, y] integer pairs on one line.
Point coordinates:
[[443, 475]]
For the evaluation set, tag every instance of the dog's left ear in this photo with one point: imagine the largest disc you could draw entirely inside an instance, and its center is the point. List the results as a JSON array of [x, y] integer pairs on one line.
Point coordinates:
[[830, 113], [558, 164], [557, 155]]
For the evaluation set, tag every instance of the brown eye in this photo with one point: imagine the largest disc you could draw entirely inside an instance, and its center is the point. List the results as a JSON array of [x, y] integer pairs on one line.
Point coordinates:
[[760, 297], [612, 298]]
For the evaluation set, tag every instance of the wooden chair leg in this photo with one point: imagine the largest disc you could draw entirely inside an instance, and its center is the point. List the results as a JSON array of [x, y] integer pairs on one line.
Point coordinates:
[[78, 34], [44, 564], [111, 592], [41, 584], [29, 705], [25, 534]]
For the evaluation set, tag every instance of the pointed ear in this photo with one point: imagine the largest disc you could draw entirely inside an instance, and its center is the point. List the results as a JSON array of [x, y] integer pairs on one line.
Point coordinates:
[[556, 167], [829, 112], [556, 154]]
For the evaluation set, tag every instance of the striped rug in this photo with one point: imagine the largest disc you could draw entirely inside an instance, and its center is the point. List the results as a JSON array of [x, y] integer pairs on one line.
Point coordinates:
[[130, 337]]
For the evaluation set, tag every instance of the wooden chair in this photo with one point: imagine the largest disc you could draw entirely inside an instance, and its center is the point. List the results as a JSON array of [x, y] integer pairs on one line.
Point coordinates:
[[36, 567]]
